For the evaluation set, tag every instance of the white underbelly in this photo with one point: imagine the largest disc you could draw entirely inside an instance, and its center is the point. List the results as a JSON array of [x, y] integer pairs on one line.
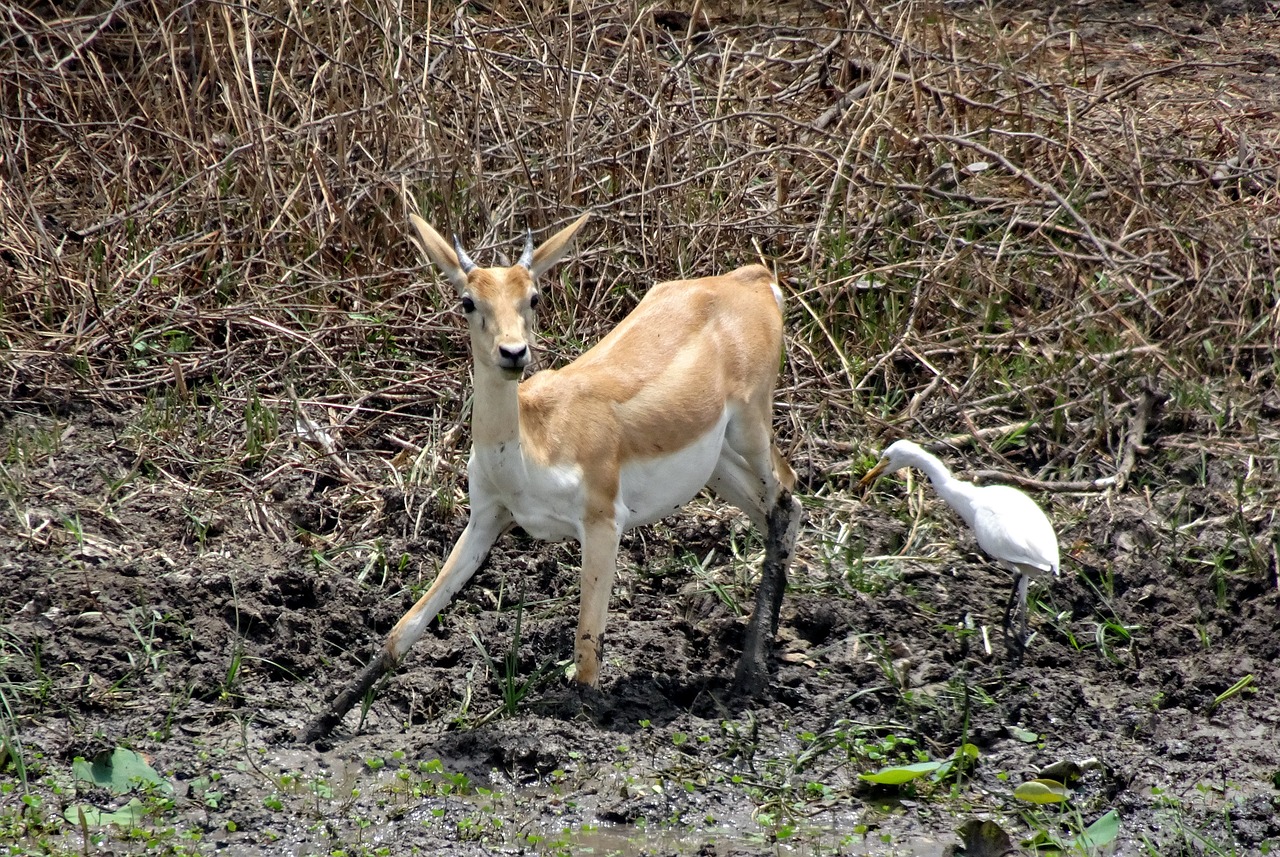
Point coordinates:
[[653, 488], [547, 502]]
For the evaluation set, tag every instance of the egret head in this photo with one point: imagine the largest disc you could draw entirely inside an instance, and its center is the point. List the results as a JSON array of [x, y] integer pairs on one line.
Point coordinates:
[[899, 454]]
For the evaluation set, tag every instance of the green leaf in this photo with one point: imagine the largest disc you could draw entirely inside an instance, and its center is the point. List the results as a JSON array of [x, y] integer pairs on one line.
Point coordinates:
[[129, 815], [966, 754], [1102, 832], [120, 771], [1240, 686], [1043, 840], [1026, 736], [1041, 792], [1065, 771], [896, 775]]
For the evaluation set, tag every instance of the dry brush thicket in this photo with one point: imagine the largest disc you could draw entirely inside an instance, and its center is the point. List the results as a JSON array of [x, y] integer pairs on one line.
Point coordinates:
[[984, 217]]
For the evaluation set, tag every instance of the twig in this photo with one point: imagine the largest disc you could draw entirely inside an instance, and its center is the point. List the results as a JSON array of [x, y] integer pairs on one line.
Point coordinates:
[[1133, 82], [1134, 439], [1053, 487], [957, 441], [954, 441], [1144, 407], [321, 439]]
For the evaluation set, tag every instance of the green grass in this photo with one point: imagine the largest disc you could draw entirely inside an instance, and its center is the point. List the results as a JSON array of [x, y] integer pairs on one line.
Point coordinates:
[[513, 687]]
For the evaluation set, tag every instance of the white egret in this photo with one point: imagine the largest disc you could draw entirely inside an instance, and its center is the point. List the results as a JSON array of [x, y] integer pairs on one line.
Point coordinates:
[[1010, 527]]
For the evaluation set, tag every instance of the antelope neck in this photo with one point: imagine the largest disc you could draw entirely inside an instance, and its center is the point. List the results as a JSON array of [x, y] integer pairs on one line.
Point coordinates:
[[495, 418]]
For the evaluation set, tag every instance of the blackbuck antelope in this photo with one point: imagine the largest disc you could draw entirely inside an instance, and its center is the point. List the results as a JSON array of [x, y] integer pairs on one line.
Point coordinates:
[[676, 397]]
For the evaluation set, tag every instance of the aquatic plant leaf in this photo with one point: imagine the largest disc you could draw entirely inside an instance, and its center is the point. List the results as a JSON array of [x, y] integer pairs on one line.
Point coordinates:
[[1041, 791], [896, 775], [965, 754], [1065, 771], [1102, 832], [129, 815], [120, 771], [1026, 736]]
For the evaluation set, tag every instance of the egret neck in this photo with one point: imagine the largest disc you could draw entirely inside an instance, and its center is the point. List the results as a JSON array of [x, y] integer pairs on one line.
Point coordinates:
[[957, 493]]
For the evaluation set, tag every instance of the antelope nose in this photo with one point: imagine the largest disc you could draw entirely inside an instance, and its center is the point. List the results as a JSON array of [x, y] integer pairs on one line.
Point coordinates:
[[516, 355]]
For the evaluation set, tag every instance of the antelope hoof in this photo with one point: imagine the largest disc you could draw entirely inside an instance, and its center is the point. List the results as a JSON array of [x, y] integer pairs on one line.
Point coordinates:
[[752, 677]]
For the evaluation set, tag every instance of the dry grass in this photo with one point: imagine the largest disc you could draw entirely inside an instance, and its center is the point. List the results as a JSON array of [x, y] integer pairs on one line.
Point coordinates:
[[987, 219], [1001, 229]]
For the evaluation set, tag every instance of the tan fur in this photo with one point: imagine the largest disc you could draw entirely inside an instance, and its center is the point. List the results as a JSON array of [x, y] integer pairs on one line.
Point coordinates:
[[691, 352]]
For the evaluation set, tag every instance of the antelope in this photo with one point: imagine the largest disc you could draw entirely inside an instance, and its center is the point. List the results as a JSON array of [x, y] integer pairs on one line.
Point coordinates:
[[678, 396]]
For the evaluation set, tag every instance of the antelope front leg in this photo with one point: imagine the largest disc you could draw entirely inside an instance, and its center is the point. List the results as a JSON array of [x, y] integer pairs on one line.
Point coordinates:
[[780, 542], [599, 565], [482, 530]]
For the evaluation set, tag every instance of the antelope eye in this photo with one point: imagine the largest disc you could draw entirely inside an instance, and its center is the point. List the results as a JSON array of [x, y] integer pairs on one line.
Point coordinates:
[[468, 305], [534, 300]]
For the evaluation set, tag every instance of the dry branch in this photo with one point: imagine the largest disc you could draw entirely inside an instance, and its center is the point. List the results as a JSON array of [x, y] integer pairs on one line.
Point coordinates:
[[1134, 443]]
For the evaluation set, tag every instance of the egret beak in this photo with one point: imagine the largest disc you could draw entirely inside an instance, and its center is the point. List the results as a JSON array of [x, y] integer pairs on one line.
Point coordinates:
[[873, 472]]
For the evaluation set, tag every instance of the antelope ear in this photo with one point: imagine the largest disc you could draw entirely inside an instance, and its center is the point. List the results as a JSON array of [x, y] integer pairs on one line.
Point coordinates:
[[550, 251], [439, 252]]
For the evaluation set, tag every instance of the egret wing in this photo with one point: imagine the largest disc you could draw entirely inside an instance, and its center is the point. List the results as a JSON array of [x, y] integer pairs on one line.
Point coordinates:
[[1010, 527]]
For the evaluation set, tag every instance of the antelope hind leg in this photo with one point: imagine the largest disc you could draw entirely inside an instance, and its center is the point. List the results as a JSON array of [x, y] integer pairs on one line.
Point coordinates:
[[780, 542]]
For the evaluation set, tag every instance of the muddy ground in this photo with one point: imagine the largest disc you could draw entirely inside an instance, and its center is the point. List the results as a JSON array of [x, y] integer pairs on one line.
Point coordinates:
[[182, 575], [186, 625]]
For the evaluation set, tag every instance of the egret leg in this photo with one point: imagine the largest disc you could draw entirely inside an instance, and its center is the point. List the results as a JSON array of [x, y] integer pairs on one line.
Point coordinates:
[[1015, 615]]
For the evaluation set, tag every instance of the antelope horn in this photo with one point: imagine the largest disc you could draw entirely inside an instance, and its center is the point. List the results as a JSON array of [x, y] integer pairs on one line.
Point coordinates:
[[526, 258], [463, 259]]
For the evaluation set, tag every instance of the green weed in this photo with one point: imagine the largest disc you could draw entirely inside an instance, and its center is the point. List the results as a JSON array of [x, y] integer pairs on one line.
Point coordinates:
[[514, 688]]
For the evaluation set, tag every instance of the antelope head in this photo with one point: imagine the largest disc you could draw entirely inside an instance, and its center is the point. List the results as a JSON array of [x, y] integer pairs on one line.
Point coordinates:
[[498, 303]]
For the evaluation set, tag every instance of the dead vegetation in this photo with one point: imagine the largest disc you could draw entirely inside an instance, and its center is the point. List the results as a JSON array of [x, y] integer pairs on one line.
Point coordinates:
[[1006, 228], [987, 219], [1044, 237]]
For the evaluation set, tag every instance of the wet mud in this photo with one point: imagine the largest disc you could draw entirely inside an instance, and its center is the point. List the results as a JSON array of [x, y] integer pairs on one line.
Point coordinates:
[[141, 613]]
